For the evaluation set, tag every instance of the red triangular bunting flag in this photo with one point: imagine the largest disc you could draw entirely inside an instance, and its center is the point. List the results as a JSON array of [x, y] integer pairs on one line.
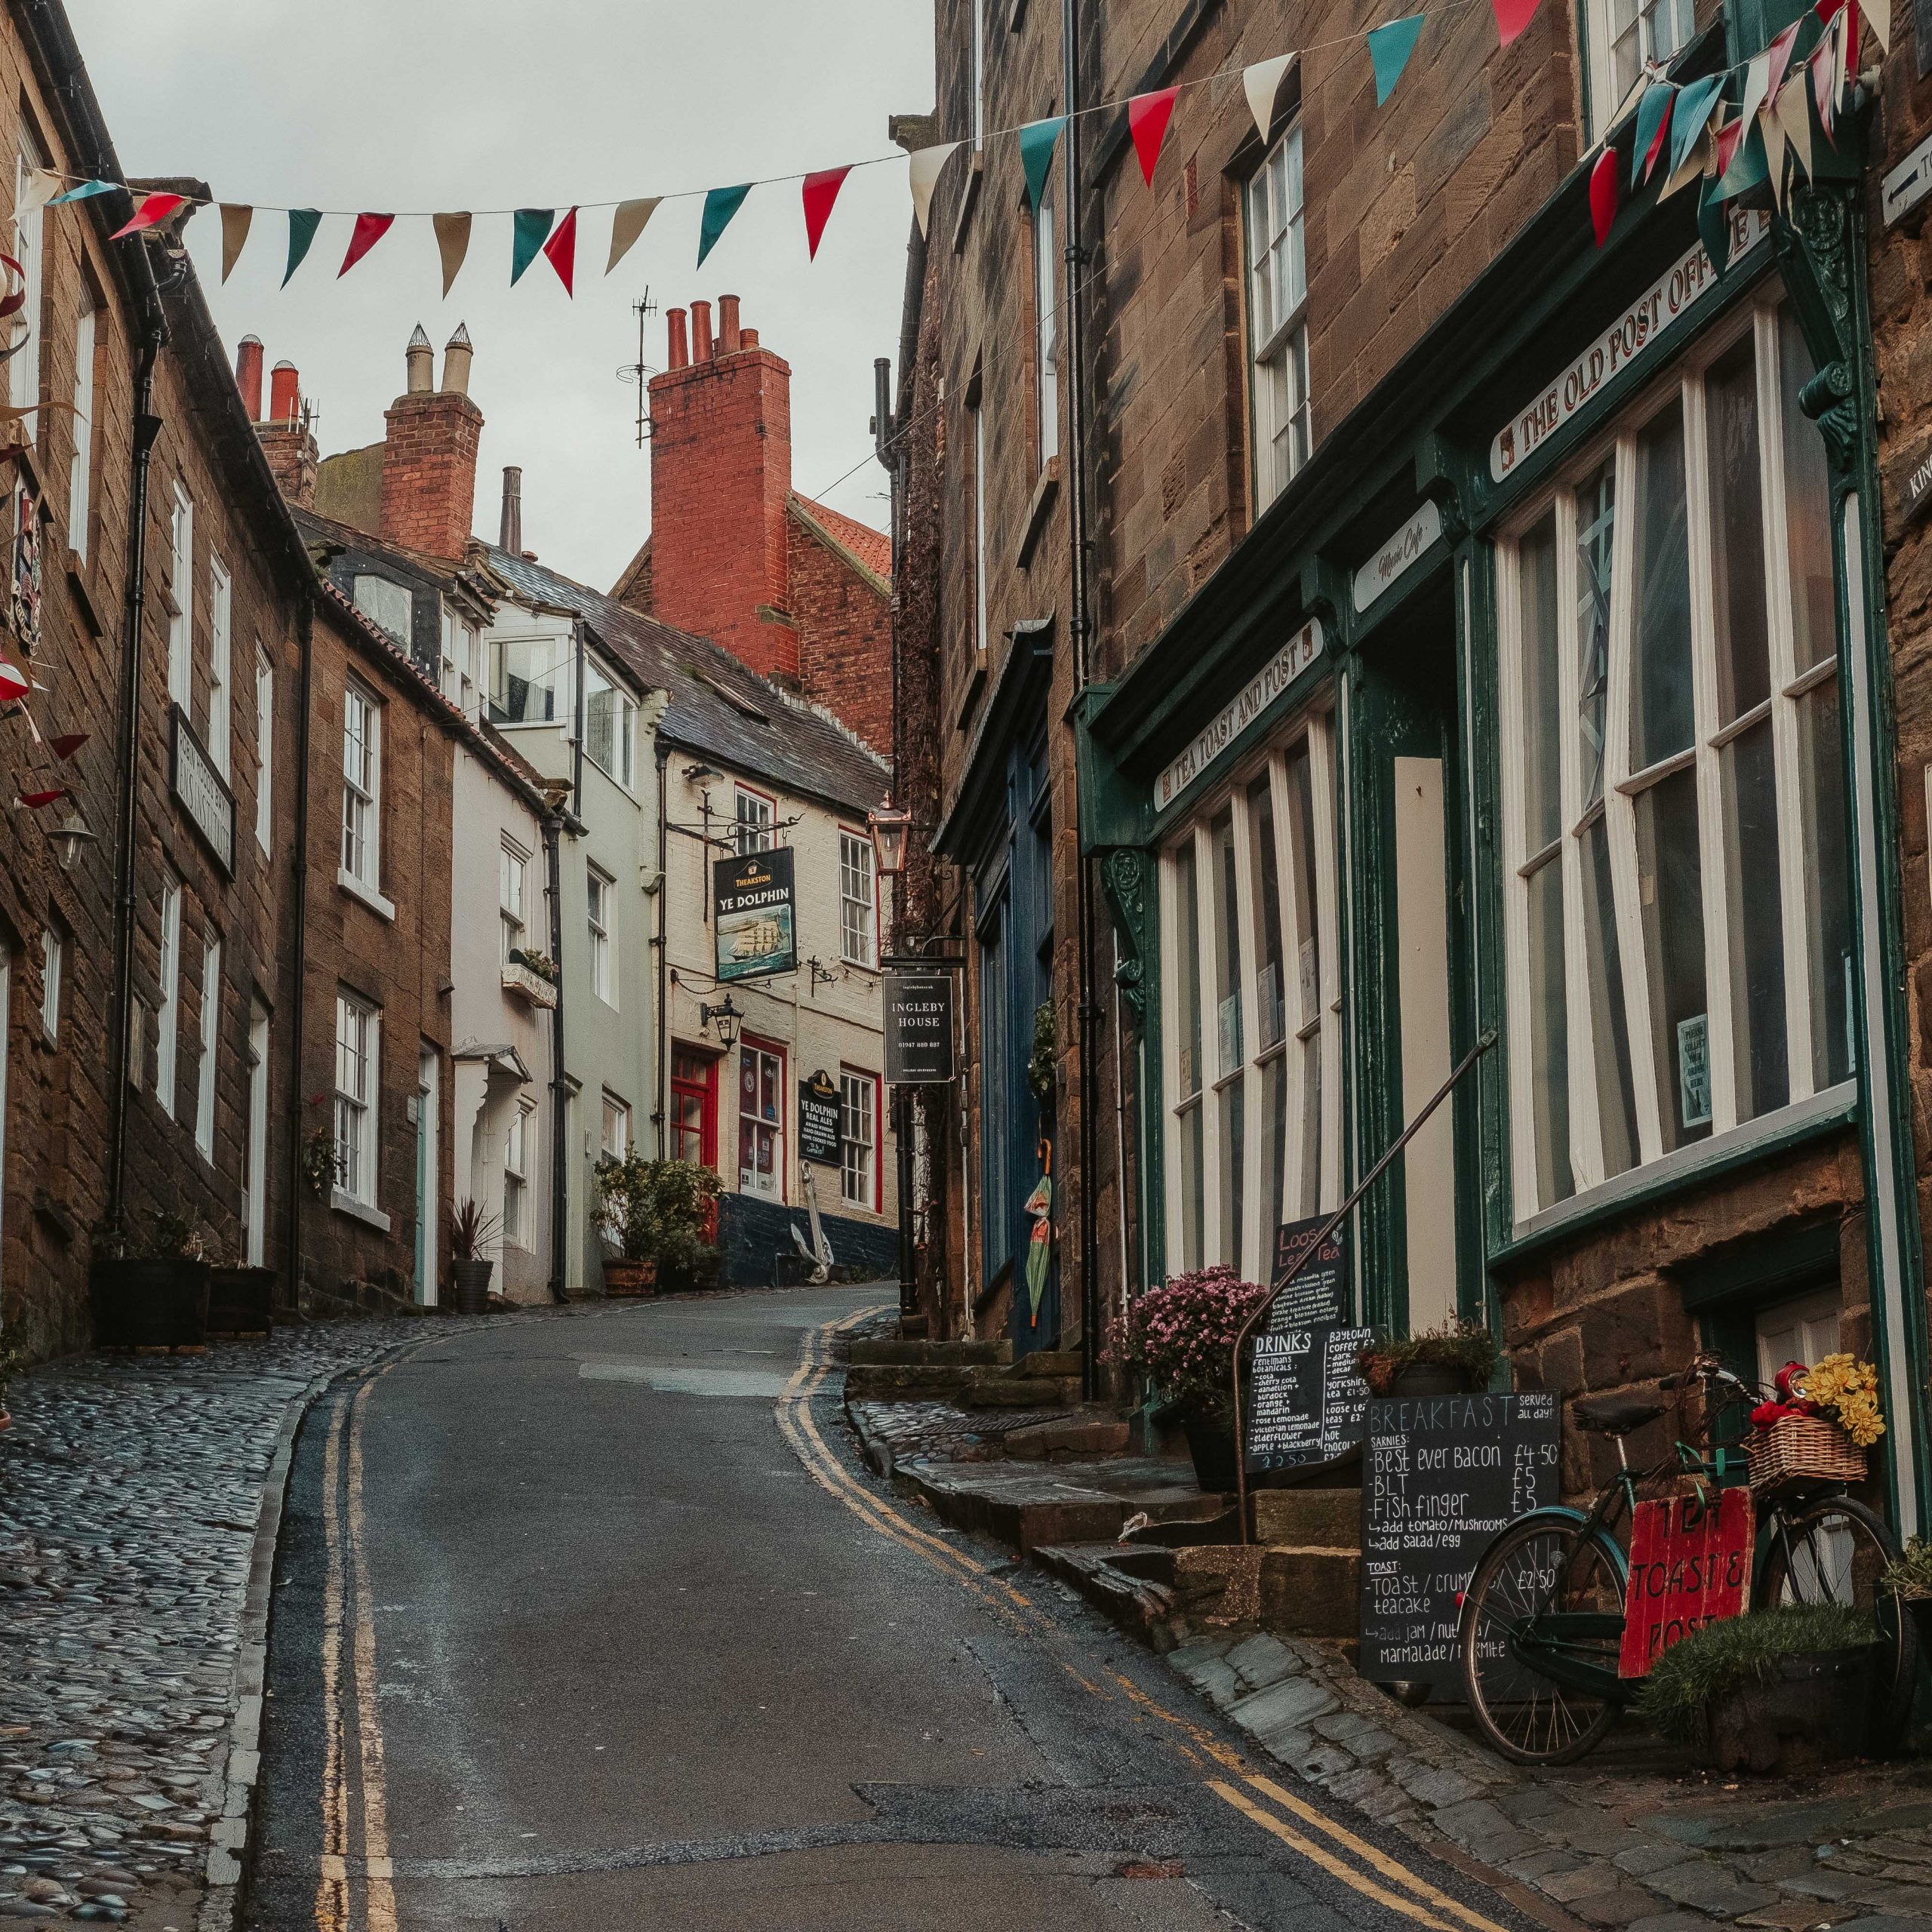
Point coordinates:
[[1147, 117], [67, 744], [1823, 63], [36, 799], [1513, 17], [148, 209], [560, 251], [369, 229], [13, 682], [1728, 137], [821, 190], [1605, 177]]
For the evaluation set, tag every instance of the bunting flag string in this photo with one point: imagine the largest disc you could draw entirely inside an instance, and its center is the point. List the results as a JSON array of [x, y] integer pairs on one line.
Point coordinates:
[[1673, 134]]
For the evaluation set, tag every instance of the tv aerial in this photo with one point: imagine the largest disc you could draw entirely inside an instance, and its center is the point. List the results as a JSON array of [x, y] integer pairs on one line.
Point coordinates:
[[640, 372]]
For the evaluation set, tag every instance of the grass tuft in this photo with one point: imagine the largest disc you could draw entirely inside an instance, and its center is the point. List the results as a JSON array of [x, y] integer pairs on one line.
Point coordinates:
[[1691, 1677]]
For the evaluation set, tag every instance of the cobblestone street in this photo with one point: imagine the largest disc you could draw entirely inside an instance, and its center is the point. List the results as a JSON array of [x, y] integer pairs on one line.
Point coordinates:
[[130, 1489]]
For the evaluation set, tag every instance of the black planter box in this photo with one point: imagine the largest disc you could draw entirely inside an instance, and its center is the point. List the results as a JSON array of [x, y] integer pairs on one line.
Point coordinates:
[[240, 1301], [149, 1304]]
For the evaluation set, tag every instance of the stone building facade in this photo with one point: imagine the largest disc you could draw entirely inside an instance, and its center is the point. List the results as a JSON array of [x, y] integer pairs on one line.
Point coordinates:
[[1487, 638]]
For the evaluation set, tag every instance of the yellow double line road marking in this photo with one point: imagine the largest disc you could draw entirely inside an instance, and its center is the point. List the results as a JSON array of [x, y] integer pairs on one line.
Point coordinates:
[[1348, 1857]]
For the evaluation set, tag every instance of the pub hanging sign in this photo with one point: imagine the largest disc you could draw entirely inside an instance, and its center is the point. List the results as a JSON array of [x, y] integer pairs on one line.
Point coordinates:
[[818, 1120], [754, 916]]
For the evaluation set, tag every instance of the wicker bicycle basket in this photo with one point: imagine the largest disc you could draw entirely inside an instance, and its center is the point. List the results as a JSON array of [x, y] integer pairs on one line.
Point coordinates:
[[1803, 1449]]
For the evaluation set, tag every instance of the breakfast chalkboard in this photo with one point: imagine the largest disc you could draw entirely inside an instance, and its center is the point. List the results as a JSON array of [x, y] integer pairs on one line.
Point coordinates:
[[1443, 1475], [1307, 1402]]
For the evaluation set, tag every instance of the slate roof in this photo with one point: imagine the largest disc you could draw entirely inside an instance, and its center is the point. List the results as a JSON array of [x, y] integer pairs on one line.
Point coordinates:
[[718, 708]]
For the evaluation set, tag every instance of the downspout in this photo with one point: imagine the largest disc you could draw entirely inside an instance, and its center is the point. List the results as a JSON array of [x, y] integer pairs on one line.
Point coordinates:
[[1082, 626], [662, 945], [576, 741], [146, 428], [305, 621], [560, 1189]]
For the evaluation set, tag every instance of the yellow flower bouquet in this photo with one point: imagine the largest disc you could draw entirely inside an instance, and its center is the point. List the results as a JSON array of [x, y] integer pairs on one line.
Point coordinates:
[[1819, 1426], [1846, 1390]]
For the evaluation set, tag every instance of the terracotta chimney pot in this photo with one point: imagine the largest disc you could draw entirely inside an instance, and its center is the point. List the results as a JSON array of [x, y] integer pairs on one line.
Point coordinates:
[[728, 325], [700, 331], [248, 375]]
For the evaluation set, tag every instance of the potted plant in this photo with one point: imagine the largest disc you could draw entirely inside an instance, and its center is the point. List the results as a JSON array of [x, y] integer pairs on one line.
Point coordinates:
[[1457, 1359], [1181, 1335], [11, 1362], [241, 1299], [149, 1286], [1909, 1580], [472, 1230], [319, 1166], [539, 963], [1781, 1689], [657, 1216]]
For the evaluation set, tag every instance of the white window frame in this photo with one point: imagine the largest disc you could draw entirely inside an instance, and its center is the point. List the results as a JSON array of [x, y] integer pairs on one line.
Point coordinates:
[[1682, 388], [29, 236], [617, 1126], [221, 608], [358, 1087], [80, 473], [181, 600], [621, 765], [204, 1081], [600, 899], [860, 1174], [1274, 210], [361, 789], [264, 748], [1046, 332], [516, 1177], [979, 72], [976, 408], [168, 1015], [512, 894], [771, 1050], [1655, 31], [757, 830], [52, 960], [858, 899], [1250, 1248]]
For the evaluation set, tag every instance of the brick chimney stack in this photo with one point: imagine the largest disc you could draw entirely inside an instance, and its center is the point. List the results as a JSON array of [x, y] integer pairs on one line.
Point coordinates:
[[285, 433], [720, 482], [428, 490]]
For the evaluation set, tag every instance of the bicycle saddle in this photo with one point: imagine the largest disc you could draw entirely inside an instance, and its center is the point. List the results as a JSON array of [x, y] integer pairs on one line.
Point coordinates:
[[1616, 1415]]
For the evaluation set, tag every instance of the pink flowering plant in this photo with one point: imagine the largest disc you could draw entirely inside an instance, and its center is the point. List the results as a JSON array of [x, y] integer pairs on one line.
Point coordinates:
[[1181, 1337]]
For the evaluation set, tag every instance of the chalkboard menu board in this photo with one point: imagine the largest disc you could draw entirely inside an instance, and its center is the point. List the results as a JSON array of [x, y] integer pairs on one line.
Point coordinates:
[[1443, 1475], [1310, 1286], [1305, 1401]]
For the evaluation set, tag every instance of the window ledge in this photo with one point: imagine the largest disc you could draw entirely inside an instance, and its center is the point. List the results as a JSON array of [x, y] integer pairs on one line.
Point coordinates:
[[976, 173], [78, 570], [1044, 493], [976, 683], [369, 896], [358, 1210], [1705, 1161]]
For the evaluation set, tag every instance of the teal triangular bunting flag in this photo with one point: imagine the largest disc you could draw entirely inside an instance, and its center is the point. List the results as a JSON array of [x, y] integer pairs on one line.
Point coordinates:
[[1714, 225], [86, 189], [1037, 140], [302, 223], [1389, 47], [1650, 112], [1749, 166], [720, 205], [533, 230], [1693, 111]]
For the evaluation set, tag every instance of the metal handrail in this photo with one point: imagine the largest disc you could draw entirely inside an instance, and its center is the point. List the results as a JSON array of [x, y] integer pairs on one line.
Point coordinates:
[[1320, 1235]]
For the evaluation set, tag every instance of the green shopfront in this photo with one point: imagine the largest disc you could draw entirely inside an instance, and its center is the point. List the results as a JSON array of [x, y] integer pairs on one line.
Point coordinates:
[[1551, 699]]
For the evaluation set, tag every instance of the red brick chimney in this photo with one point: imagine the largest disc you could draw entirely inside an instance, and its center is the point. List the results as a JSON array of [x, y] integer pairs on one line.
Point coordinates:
[[429, 497], [721, 479], [284, 433]]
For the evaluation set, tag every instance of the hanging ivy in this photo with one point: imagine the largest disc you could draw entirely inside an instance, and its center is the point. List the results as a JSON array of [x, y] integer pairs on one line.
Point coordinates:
[[1040, 1074]]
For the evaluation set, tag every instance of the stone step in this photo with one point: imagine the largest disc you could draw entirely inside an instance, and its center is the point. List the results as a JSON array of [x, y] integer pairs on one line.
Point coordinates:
[[1311, 1592], [1087, 1435], [1024, 1504], [1309, 1518], [902, 1382], [1003, 1390], [875, 1353], [1046, 1362]]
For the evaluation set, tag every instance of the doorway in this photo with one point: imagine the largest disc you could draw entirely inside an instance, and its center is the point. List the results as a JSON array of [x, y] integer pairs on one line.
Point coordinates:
[[255, 1196], [427, 1166]]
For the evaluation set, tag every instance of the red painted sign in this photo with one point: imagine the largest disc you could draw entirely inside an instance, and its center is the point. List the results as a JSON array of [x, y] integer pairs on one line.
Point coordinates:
[[1690, 1565]]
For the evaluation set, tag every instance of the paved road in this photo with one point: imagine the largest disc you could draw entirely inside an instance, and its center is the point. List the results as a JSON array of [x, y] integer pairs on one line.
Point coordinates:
[[595, 1623]]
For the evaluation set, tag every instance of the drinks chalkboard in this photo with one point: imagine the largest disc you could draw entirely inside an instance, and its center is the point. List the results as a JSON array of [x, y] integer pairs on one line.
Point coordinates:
[[1311, 1285], [1443, 1475], [1306, 1403]]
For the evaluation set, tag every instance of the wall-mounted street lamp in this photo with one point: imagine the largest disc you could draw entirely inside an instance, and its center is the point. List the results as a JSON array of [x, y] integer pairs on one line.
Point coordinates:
[[69, 837], [889, 826], [726, 1018]]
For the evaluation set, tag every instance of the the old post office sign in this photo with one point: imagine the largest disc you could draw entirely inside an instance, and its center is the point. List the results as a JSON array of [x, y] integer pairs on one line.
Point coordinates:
[[818, 1119], [918, 1028], [1261, 691], [1670, 297], [1399, 555], [754, 916], [1905, 186]]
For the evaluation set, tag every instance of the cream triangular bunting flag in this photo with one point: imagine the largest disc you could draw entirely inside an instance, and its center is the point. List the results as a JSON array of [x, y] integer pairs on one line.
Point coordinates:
[[1772, 129], [1794, 112], [927, 163], [452, 244], [1757, 84], [626, 225], [40, 187], [1702, 152], [1878, 17], [1261, 83], [235, 219]]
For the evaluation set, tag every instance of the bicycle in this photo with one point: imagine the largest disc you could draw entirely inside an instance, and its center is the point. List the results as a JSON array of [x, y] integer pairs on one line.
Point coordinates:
[[1542, 1618]]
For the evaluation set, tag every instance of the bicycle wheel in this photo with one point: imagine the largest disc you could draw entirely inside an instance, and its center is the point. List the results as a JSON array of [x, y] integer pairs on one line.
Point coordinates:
[[1832, 1550], [1533, 1570]]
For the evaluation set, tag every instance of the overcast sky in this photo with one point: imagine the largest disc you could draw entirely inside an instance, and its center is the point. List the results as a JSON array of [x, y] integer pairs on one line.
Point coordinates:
[[450, 104]]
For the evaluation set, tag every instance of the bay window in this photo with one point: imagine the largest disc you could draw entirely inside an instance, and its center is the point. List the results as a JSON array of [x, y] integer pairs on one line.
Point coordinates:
[[1252, 1023], [1674, 821]]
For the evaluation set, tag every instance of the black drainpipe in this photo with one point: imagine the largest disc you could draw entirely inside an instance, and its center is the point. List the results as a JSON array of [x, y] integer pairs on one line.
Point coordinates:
[[1082, 628], [661, 944], [298, 1179], [147, 427], [559, 1088]]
